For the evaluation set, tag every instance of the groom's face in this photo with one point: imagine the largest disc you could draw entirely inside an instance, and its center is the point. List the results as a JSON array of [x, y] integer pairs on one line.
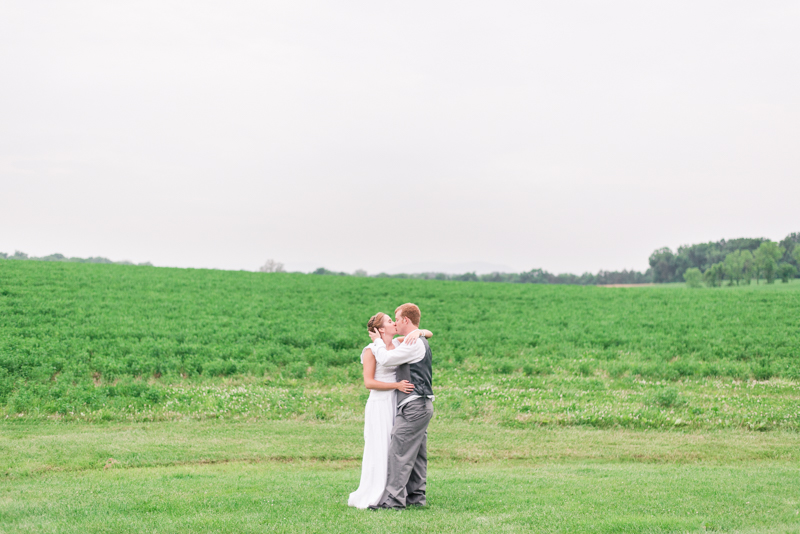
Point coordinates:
[[401, 323]]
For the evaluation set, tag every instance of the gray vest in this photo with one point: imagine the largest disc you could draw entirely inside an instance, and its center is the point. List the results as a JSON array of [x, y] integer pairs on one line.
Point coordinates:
[[420, 374]]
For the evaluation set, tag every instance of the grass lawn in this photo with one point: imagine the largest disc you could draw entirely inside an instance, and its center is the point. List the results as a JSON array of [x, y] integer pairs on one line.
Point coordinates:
[[294, 476]]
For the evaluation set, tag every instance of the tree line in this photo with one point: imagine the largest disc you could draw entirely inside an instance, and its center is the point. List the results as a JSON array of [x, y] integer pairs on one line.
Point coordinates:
[[60, 257], [534, 276], [737, 261]]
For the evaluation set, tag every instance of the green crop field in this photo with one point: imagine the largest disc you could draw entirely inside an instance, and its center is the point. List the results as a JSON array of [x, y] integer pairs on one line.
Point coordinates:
[[112, 342], [140, 399]]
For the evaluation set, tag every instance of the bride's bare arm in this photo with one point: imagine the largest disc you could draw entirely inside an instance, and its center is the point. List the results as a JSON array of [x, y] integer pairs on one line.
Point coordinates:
[[412, 337], [369, 377]]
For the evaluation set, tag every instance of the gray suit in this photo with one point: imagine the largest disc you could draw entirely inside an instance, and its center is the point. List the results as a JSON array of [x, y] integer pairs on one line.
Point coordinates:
[[408, 451]]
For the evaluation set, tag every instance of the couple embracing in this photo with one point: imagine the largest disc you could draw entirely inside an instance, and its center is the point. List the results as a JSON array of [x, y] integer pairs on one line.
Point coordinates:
[[398, 373]]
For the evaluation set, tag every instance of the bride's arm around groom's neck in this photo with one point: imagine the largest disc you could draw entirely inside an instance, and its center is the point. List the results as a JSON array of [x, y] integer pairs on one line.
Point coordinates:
[[400, 355]]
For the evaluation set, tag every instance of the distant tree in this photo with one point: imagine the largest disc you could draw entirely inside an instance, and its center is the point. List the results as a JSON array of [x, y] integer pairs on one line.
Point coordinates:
[[693, 277], [94, 259], [767, 256], [742, 243], [324, 271], [734, 266], [748, 268], [769, 269], [3, 256], [360, 272], [791, 243], [535, 276], [18, 255], [494, 277], [466, 277], [54, 257], [761, 266], [786, 271], [669, 267], [701, 255], [271, 266], [664, 265], [566, 278], [714, 275], [617, 277]]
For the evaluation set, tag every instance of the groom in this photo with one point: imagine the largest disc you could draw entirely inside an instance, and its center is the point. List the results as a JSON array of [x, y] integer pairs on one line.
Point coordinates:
[[408, 451]]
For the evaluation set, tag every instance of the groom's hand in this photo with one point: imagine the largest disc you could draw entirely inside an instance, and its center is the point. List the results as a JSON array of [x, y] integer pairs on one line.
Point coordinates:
[[373, 334]]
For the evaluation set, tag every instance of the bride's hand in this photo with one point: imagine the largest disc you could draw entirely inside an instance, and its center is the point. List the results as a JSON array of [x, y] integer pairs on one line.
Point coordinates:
[[412, 337], [405, 386], [373, 334]]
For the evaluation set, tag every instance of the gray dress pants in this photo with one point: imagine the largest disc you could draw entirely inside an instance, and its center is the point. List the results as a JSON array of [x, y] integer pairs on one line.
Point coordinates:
[[408, 455]]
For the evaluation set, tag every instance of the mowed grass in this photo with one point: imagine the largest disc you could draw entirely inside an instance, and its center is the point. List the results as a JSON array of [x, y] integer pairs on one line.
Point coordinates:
[[284, 476], [303, 498]]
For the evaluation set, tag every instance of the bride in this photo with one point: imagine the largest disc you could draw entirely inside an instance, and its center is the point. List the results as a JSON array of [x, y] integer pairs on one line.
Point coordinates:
[[379, 412]]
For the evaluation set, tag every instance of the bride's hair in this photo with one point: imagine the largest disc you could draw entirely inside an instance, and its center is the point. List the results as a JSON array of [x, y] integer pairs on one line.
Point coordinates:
[[376, 321]]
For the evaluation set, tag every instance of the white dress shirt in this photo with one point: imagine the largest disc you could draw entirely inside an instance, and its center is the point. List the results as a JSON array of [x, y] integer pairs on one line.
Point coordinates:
[[403, 353]]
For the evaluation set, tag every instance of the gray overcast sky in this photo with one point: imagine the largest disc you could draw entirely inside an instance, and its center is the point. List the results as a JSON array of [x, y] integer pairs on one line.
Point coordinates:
[[572, 136]]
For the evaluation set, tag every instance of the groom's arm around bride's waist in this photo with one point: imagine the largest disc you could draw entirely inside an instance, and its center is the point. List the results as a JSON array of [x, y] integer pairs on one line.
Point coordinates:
[[400, 355]]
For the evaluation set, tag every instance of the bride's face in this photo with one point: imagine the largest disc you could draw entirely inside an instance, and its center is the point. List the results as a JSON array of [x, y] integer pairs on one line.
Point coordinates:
[[388, 325]]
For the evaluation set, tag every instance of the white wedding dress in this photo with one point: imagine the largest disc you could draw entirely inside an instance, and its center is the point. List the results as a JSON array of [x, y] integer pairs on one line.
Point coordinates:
[[378, 422]]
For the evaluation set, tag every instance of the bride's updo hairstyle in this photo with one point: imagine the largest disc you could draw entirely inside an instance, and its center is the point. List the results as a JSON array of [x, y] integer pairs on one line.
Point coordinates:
[[376, 321]]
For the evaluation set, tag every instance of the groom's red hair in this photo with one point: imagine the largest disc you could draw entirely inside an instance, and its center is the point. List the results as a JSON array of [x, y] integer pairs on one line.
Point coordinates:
[[410, 312]]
